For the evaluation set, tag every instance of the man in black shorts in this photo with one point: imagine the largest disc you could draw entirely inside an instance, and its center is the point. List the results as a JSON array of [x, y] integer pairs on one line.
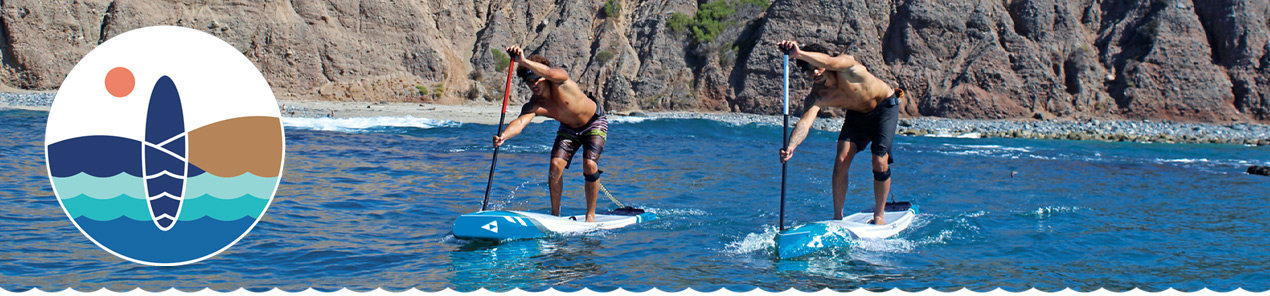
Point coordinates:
[[872, 114], [582, 125]]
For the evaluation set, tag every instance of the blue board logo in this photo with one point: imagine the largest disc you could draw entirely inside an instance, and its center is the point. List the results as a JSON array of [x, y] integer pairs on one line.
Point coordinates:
[[164, 146]]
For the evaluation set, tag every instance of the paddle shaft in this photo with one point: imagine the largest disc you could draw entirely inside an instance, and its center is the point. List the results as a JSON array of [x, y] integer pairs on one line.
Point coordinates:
[[494, 160], [784, 137]]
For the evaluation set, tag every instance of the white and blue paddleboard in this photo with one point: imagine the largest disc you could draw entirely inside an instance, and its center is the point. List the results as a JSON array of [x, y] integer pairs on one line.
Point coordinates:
[[809, 238], [503, 225]]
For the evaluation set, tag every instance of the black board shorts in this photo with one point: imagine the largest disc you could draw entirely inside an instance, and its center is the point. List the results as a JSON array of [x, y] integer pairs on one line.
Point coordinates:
[[878, 126]]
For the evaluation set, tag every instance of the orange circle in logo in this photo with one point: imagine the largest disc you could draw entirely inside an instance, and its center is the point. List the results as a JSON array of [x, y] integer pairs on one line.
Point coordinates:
[[119, 82]]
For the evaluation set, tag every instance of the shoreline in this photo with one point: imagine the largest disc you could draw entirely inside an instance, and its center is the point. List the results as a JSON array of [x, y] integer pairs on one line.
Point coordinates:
[[1145, 131]]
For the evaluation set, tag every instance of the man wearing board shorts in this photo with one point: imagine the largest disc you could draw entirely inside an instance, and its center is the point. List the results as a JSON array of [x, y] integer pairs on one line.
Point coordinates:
[[582, 125], [838, 80]]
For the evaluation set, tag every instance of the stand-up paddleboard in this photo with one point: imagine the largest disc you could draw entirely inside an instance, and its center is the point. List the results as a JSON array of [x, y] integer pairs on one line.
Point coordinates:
[[809, 238], [163, 154], [503, 225]]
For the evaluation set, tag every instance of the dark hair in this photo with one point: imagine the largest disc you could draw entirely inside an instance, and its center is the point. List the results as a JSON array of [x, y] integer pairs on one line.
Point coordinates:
[[812, 47], [522, 71]]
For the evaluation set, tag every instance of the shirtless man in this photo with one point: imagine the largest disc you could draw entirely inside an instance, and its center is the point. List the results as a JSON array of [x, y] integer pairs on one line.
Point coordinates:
[[582, 124], [872, 114]]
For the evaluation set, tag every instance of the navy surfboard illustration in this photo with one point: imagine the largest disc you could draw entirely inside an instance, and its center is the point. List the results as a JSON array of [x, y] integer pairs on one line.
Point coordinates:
[[163, 152]]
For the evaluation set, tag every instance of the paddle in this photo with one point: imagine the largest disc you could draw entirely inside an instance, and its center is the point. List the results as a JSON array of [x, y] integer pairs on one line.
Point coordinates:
[[494, 161], [784, 137]]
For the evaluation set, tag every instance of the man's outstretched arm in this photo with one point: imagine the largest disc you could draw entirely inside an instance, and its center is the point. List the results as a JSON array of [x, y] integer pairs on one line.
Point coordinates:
[[818, 59], [527, 114], [800, 132]]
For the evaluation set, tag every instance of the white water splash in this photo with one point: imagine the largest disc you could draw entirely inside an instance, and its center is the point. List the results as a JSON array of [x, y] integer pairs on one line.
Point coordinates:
[[1046, 212], [362, 123], [753, 242], [629, 119], [677, 212]]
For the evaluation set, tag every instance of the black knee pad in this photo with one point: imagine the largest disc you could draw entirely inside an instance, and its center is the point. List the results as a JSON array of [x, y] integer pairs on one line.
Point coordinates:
[[593, 178], [882, 176]]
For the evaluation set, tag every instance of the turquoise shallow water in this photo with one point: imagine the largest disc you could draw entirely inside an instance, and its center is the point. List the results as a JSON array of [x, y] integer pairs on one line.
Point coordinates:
[[362, 205]]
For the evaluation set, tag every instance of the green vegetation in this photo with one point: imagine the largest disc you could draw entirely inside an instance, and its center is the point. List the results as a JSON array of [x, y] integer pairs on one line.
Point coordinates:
[[438, 89], [612, 8], [604, 56], [679, 22], [423, 90], [501, 60], [711, 19]]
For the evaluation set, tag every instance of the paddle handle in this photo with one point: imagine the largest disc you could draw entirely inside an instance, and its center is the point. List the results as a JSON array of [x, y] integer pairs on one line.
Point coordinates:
[[507, 91], [784, 136]]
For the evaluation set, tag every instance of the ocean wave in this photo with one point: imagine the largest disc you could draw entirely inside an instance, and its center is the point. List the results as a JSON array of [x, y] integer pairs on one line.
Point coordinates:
[[677, 212], [507, 148], [889, 245], [629, 119], [1050, 211], [358, 124], [985, 150]]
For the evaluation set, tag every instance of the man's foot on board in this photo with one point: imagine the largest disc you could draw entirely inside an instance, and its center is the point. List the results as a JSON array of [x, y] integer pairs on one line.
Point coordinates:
[[878, 220]]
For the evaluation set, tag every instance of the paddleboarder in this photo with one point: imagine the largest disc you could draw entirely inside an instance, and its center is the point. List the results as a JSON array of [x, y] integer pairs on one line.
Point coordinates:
[[839, 81], [582, 124]]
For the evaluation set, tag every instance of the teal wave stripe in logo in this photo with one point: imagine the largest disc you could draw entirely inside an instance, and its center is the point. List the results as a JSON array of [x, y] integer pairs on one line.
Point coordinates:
[[224, 199]]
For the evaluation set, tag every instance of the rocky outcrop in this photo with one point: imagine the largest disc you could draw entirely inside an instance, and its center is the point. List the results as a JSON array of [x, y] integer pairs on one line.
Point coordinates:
[[1259, 170], [1193, 60], [989, 59]]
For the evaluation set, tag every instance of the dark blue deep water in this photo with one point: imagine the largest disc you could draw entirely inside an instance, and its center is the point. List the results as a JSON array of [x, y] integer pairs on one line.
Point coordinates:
[[365, 205]]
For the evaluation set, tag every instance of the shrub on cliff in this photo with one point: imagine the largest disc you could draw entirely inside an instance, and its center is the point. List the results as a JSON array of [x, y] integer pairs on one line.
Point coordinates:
[[612, 8], [711, 19]]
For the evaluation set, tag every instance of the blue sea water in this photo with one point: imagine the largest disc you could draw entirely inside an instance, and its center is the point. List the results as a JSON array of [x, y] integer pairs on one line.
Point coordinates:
[[369, 203]]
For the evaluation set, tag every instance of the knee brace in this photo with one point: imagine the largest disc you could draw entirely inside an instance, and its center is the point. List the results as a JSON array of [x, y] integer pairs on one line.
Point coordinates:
[[882, 176], [593, 178]]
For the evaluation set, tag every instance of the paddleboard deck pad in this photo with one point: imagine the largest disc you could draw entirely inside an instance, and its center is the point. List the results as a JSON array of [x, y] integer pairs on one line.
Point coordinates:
[[809, 238], [504, 225]]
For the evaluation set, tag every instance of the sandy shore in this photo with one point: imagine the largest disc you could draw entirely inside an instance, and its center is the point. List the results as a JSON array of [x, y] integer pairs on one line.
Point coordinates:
[[488, 113]]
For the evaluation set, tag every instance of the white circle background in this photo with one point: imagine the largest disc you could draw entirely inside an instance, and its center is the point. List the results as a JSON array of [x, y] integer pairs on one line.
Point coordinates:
[[214, 80]]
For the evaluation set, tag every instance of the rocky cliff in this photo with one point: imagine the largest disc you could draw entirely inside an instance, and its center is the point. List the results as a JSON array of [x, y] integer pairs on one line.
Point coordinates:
[[1201, 60]]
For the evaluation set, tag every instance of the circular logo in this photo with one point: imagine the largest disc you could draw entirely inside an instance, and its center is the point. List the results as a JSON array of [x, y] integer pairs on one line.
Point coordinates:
[[164, 145]]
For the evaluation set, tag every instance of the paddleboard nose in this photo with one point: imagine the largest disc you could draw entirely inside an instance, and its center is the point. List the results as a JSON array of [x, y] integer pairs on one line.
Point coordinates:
[[495, 225]]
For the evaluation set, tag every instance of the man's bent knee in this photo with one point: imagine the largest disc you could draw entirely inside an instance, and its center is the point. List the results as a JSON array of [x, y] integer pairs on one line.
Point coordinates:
[[558, 165], [589, 167], [592, 177], [880, 163], [882, 176]]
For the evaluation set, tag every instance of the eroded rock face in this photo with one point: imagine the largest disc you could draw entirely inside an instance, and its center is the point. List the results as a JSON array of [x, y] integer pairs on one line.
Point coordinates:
[[1200, 60]]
